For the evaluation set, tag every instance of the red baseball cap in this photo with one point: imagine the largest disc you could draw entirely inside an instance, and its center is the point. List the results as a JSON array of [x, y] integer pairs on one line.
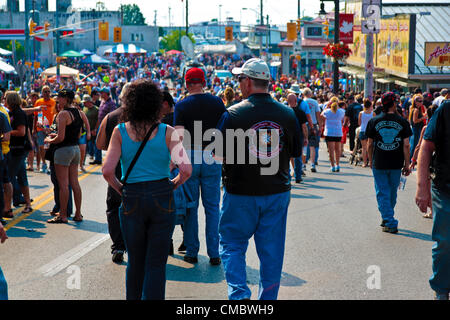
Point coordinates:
[[195, 75]]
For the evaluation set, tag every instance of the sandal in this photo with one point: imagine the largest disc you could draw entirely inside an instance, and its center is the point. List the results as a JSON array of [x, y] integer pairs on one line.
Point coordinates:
[[57, 219], [8, 214], [27, 210], [428, 215], [78, 219]]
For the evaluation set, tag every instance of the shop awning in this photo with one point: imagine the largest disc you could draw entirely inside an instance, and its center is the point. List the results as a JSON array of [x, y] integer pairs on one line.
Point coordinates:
[[407, 83], [275, 64], [126, 48], [385, 80]]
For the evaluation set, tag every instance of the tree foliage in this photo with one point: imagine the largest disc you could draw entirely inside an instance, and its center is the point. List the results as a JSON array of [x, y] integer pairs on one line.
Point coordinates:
[[172, 41], [132, 15], [20, 49]]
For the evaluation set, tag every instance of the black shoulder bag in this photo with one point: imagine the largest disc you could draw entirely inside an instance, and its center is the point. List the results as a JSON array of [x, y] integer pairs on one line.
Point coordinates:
[[138, 153]]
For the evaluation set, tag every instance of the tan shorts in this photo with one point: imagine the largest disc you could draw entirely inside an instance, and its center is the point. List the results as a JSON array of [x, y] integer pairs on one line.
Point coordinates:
[[67, 156]]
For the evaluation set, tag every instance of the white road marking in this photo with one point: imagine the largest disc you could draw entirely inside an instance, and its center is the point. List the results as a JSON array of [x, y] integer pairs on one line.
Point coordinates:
[[65, 260]]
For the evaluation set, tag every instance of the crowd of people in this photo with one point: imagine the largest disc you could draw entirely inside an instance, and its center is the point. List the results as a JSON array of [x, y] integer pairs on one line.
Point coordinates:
[[145, 114]]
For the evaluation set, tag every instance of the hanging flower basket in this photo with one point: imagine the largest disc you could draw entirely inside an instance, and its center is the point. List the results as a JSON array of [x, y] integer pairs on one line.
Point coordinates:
[[338, 51]]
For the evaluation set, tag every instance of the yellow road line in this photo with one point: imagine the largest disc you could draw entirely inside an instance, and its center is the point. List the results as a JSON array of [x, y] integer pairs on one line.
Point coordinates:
[[37, 206]]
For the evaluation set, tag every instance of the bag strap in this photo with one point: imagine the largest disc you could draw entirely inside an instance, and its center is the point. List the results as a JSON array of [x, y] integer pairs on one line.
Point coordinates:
[[138, 153]]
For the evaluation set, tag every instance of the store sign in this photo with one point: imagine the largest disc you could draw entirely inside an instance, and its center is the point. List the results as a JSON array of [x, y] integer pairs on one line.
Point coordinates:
[[437, 54], [346, 27]]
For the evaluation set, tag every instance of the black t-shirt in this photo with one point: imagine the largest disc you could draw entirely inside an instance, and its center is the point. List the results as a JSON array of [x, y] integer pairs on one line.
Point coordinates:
[[438, 131], [388, 131], [259, 163], [204, 108], [352, 113], [17, 144]]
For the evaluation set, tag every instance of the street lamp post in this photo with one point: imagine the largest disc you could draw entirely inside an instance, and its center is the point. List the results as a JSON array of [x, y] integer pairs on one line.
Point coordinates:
[[336, 40]]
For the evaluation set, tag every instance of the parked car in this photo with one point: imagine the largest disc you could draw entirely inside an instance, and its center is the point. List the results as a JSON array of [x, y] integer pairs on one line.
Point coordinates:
[[223, 75]]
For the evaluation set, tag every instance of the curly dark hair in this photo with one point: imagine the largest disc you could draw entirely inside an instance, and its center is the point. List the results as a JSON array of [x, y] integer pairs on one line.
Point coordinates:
[[142, 103]]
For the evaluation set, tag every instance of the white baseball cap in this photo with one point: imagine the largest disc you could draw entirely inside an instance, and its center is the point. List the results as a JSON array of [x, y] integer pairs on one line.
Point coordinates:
[[254, 68]]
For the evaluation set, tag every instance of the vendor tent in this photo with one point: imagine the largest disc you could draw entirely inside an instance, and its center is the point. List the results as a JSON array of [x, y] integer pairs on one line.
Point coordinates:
[[126, 48], [86, 52], [63, 70], [6, 68], [4, 52], [95, 59], [72, 54], [173, 52]]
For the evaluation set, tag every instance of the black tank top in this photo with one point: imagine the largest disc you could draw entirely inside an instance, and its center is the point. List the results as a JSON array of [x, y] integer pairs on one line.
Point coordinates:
[[72, 130]]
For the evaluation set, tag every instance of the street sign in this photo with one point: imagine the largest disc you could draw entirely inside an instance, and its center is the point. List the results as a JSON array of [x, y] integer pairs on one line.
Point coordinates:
[[372, 13]]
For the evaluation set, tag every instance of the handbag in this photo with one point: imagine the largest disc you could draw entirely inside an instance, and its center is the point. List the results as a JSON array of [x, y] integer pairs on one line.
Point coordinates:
[[138, 153]]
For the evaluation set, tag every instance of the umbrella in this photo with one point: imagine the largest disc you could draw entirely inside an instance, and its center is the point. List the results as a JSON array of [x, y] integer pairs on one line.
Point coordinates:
[[173, 52], [86, 52], [63, 70], [126, 48], [72, 54], [95, 59]]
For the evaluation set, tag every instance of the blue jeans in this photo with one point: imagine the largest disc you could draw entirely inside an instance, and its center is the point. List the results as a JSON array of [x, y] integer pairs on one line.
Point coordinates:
[[308, 155], [298, 168], [91, 147], [57, 207], [147, 220], [205, 177], [414, 140], [97, 152], [261, 217], [440, 280], [17, 175], [386, 186], [3, 286]]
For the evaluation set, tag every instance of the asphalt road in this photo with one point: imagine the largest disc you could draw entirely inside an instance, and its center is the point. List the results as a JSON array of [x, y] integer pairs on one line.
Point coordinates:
[[335, 248]]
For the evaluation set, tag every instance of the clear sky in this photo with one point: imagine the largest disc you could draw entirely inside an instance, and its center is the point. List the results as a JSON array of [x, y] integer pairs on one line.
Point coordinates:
[[279, 11]]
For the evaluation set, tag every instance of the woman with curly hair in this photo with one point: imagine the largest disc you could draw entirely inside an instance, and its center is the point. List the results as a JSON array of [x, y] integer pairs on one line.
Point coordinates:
[[147, 213], [229, 97]]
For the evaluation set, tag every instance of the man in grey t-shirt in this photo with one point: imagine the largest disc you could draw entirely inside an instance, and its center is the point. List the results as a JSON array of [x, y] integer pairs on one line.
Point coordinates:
[[313, 135]]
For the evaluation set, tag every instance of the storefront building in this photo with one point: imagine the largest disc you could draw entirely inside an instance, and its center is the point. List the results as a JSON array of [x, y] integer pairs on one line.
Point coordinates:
[[411, 49]]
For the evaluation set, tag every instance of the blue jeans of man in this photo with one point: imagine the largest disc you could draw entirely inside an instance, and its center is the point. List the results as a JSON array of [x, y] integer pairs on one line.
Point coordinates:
[[57, 207], [386, 187], [264, 219], [147, 220], [440, 280], [205, 177], [3, 286], [91, 147], [298, 168], [17, 175]]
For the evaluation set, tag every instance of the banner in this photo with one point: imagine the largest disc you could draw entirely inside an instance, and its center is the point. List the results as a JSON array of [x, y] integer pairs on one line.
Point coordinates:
[[437, 54], [346, 27]]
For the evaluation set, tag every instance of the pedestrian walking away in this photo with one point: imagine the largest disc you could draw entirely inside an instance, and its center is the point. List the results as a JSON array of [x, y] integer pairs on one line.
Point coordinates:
[[437, 140], [388, 147], [144, 147], [255, 201]]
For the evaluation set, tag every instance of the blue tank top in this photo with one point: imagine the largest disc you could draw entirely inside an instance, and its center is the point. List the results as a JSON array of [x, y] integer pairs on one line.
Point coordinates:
[[153, 163]]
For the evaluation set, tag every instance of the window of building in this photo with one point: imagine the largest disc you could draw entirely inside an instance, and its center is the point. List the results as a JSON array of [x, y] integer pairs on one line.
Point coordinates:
[[314, 31]]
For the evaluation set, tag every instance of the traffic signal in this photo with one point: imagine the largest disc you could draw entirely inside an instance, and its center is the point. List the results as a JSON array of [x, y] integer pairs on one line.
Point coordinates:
[[326, 30], [32, 27], [46, 27], [299, 27], [103, 31], [291, 31], [228, 33], [117, 34]]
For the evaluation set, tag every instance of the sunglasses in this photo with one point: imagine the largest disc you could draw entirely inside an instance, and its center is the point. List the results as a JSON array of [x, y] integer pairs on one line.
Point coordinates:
[[241, 77], [419, 100]]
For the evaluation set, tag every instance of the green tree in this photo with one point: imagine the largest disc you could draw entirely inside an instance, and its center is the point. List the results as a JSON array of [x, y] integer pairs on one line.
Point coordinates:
[[132, 15], [20, 49], [172, 41]]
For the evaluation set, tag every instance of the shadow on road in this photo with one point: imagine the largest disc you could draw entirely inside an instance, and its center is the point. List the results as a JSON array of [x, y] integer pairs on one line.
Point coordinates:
[[203, 272], [415, 235]]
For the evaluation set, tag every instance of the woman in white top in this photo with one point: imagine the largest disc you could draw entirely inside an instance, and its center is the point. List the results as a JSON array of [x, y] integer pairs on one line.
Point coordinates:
[[333, 118], [363, 119]]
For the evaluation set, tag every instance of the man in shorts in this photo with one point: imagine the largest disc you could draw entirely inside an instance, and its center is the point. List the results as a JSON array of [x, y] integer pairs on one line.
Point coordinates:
[[42, 121]]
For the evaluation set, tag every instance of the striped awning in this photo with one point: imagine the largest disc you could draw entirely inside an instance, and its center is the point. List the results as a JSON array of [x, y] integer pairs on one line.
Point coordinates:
[[126, 48]]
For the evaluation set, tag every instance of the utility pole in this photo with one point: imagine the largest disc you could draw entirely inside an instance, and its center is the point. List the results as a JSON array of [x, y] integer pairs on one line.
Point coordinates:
[[58, 71], [13, 42], [299, 41], [154, 21], [187, 17], [95, 33], [336, 40], [261, 22], [169, 18], [368, 77]]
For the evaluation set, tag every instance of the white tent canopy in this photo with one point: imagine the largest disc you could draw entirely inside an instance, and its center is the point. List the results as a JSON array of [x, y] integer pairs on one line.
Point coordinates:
[[4, 52], [6, 68], [63, 70]]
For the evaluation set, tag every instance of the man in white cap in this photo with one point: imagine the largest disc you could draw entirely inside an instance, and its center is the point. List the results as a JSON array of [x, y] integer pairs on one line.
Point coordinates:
[[256, 181]]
